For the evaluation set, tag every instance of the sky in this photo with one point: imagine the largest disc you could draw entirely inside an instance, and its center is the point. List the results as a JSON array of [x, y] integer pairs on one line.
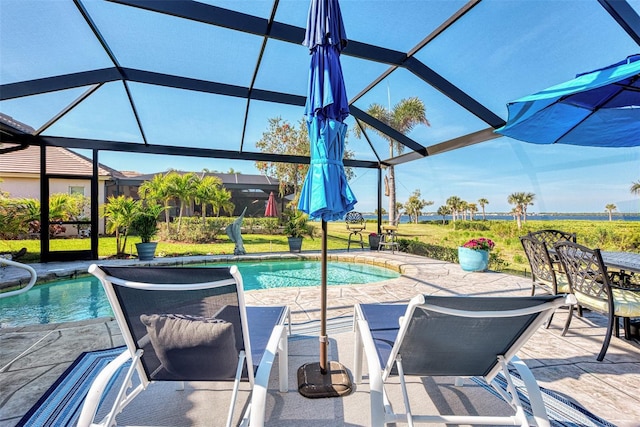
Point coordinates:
[[500, 51]]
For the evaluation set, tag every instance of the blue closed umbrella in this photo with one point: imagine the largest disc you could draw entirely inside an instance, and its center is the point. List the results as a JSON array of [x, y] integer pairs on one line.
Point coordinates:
[[600, 108], [325, 194]]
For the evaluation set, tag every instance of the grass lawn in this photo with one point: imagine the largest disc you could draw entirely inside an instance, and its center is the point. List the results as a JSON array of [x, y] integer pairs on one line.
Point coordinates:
[[614, 235]]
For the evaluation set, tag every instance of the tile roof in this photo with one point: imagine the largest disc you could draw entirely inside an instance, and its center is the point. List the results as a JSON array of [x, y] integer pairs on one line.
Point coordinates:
[[59, 161]]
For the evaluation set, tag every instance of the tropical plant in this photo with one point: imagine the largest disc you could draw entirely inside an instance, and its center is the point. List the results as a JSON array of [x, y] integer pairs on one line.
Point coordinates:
[[444, 211], [145, 221], [206, 191], [157, 190], [520, 201], [610, 208], [18, 216], [414, 206], [454, 203], [66, 207], [297, 224], [182, 187], [483, 202], [473, 209], [527, 201], [405, 115], [120, 212], [222, 201], [464, 207], [635, 188]]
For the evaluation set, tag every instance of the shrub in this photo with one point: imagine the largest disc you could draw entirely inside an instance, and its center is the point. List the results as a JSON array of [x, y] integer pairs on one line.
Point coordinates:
[[443, 253], [472, 225], [193, 231], [428, 250]]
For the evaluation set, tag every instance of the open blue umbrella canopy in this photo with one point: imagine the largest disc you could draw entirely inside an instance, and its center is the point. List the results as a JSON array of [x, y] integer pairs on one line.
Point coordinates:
[[326, 194], [600, 108]]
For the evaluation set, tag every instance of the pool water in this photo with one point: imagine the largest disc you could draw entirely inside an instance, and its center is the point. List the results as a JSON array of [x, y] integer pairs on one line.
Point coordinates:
[[83, 298]]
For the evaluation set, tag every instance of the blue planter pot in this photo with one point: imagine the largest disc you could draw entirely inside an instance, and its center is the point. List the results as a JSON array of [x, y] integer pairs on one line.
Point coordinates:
[[472, 260], [295, 244], [146, 251]]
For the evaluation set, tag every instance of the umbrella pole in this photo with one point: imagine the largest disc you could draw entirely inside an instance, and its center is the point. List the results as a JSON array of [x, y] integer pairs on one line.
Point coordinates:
[[324, 340], [323, 379]]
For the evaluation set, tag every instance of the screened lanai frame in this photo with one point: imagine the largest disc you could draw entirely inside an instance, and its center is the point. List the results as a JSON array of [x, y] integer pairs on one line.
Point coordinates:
[[269, 30]]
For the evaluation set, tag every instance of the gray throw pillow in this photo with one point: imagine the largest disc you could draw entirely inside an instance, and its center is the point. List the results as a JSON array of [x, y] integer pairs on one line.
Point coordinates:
[[193, 348]]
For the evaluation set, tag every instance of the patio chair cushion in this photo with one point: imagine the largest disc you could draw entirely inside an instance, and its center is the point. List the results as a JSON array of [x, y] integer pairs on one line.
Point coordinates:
[[193, 346], [626, 302], [561, 282]]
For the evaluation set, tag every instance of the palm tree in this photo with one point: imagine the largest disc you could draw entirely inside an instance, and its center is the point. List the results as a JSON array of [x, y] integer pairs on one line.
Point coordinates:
[[183, 188], [454, 203], [443, 211], [120, 212], [157, 190], [635, 188], [205, 193], [413, 207], [527, 200], [610, 208], [483, 202], [222, 200], [518, 200], [473, 208], [405, 115], [464, 207]]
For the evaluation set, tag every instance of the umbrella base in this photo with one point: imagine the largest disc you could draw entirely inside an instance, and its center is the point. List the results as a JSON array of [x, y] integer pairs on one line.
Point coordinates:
[[313, 385]]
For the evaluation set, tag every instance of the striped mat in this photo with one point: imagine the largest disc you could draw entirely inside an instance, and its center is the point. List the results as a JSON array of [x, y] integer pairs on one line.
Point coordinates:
[[61, 405], [561, 411]]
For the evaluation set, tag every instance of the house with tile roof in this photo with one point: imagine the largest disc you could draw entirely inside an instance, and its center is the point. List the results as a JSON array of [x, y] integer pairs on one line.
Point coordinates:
[[20, 175], [67, 172]]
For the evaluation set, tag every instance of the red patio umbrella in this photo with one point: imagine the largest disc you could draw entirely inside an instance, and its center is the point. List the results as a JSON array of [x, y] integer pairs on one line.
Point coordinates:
[[271, 210]]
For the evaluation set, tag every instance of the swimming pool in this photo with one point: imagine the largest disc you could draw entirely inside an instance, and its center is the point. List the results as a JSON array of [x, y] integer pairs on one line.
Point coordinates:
[[83, 298]]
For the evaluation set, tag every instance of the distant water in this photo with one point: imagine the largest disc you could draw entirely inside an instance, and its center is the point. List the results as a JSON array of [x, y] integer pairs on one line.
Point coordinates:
[[534, 217]]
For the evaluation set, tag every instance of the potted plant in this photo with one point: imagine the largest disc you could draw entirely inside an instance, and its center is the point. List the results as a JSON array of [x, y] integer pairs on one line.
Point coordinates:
[[145, 225], [474, 254], [296, 227]]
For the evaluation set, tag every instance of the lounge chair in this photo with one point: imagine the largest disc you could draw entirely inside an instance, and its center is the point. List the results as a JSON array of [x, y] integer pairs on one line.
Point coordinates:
[[450, 336], [189, 324]]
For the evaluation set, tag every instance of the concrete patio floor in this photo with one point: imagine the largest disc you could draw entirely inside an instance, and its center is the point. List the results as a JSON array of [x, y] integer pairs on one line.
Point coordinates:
[[566, 365]]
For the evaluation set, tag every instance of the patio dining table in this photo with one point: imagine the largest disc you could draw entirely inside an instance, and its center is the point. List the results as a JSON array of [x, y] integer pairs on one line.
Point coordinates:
[[627, 261]]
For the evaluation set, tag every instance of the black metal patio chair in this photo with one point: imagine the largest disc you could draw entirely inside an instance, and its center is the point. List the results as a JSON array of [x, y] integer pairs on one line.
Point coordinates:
[[545, 274], [595, 288], [355, 224]]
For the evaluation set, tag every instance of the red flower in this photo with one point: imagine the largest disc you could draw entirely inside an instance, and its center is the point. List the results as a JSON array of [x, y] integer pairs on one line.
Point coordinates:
[[480, 244]]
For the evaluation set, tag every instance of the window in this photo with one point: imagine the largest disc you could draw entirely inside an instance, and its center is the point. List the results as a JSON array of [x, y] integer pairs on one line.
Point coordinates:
[[76, 190]]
